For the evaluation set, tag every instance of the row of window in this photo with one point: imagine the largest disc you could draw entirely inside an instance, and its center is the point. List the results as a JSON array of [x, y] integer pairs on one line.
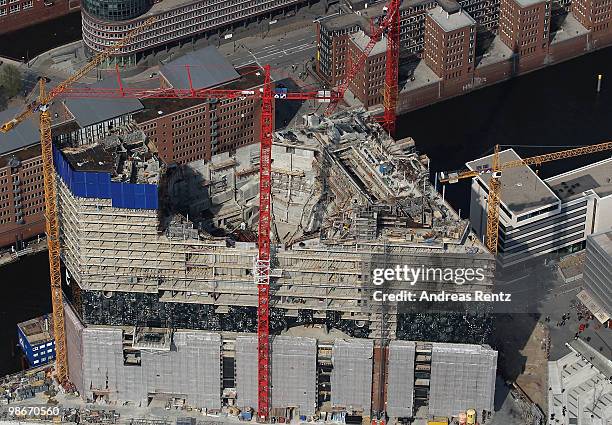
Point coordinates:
[[14, 8]]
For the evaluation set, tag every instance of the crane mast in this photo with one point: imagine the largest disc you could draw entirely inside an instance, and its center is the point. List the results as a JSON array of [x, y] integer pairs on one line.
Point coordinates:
[[262, 263], [391, 90]]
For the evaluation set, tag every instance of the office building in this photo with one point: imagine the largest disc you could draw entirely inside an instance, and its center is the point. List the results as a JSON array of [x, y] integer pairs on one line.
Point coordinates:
[[368, 84], [186, 130], [176, 22], [595, 16], [539, 217], [597, 275]]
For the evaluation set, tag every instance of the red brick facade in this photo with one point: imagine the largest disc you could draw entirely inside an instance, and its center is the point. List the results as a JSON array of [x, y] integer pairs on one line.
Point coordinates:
[[450, 45], [18, 14], [21, 196], [368, 83], [524, 27], [194, 131]]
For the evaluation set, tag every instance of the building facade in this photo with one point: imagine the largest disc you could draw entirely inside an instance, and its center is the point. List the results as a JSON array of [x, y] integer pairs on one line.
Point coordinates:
[[554, 215], [18, 14], [368, 84], [524, 26], [597, 274], [450, 46], [595, 16], [188, 131], [22, 203], [176, 22]]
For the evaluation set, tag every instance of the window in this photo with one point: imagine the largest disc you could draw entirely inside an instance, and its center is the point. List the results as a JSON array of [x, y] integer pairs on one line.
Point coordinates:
[[14, 8], [28, 4], [2, 11], [2, 2]]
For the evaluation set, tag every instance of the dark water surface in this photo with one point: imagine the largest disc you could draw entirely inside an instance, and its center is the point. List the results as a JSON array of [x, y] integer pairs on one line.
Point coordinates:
[[26, 294], [30, 42], [556, 106]]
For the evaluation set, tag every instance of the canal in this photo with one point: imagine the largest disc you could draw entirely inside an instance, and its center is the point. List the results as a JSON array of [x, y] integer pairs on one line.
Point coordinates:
[[557, 106], [30, 42], [25, 294]]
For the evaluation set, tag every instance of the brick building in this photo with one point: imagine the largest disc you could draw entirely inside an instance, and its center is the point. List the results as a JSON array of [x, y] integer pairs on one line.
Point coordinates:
[[595, 16], [334, 31], [524, 27], [21, 179], [186, 130], [369, 81], [450, 45], [21, 183], [18, 14], [333, 34]]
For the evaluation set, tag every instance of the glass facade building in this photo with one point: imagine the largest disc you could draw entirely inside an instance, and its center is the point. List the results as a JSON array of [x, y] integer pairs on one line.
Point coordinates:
[[116, 10]]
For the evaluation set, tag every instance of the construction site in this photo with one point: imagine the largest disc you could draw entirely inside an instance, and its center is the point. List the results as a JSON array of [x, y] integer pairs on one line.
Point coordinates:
[[243, 285], [163, 293]]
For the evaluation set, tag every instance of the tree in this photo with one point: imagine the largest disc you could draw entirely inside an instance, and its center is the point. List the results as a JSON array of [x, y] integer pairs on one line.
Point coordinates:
[[11, 82]]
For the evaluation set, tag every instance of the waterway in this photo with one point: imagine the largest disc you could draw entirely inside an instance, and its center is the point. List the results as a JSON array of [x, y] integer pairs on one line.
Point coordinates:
[[27, 43], [25, 294], [557, 106]]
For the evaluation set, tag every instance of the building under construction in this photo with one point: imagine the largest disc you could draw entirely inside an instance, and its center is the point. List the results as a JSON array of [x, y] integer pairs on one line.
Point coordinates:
[[163, 297]]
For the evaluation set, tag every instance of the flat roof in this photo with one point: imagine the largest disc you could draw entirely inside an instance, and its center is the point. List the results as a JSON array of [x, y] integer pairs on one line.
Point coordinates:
[[343, 20], [603, 240], [361, 40], [207, 67], [21, 136], [529, 3], [596, 177], [521, 190], [39, 329], [88, 111], [451, 21], [249, 79]]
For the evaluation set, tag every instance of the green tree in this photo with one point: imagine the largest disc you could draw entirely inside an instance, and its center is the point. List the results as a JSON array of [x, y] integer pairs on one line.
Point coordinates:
[[11, 82]]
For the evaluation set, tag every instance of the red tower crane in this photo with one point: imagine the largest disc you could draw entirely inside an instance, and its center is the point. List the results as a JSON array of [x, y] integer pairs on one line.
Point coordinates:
[[390, 27]]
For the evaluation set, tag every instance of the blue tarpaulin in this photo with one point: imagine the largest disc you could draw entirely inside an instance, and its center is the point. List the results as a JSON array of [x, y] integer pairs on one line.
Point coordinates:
[[86, 184]]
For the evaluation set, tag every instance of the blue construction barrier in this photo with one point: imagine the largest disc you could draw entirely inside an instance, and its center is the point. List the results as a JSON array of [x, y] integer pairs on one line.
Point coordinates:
[[85, 184]]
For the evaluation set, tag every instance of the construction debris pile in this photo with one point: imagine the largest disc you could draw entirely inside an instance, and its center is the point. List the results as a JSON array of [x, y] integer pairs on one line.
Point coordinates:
[[124, 154]]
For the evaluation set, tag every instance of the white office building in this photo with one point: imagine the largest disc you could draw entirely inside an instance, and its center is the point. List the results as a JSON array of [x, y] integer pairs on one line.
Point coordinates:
[[539, 217]]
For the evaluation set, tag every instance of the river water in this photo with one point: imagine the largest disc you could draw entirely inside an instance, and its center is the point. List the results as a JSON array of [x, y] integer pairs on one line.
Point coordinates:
[[557, 106]]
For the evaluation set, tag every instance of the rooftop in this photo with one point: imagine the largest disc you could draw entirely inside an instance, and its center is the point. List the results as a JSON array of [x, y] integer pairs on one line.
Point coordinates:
[[580, 384], [39, 329], [596, 177], [603, 240], [207, 68], [361, 40], [451, 22], [89, 111], [21, 136], [124, 155], [522, 190], [249, 79], [529, 3], [339, 21], [349, 183]]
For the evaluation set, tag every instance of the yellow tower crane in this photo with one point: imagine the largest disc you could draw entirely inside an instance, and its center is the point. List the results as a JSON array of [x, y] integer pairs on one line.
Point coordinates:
[[495, 171], [41, 105]]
